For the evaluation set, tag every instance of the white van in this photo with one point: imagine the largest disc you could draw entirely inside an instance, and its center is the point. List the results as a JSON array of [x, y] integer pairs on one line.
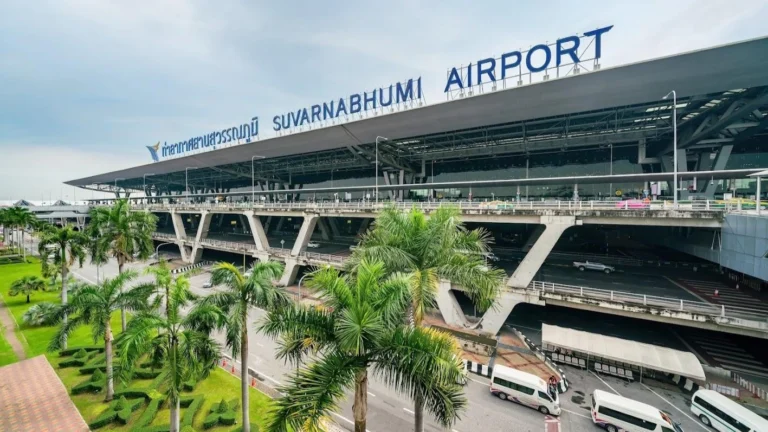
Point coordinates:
[[725, 415], [616, 413], [525, 389]]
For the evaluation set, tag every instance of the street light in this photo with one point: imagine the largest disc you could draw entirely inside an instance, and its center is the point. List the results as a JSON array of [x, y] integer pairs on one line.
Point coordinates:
[[674, 140], [302, 278], [145, 184], [377, 165], [157, 249], [186, 180], [282, 245], [253, 179]]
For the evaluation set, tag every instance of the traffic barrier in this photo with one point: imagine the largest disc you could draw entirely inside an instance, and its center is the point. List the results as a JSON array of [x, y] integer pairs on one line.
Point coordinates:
[[477, 368], [189, 267], [562, 383]]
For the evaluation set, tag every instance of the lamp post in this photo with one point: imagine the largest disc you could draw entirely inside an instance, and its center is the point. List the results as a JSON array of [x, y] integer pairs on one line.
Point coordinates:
[[144, 186], [157, 249], [377, 165], [301, 279], [253, 179], [186, 181], [674, 140]]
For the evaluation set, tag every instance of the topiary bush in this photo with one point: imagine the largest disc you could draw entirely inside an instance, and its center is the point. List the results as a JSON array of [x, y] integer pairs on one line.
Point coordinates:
[[119, 411], [192, 405], [149, 414], [222, 413], [72, 350], [94, 384], [80, 354]]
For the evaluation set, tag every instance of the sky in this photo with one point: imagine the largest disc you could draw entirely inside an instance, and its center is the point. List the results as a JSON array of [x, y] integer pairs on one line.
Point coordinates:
[[85, 85]]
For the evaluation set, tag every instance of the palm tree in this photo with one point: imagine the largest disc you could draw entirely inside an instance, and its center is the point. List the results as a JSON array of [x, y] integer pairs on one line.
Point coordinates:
[[164, 280], [121, 233], [429, 249], [20, 218], [65, 245], [26, 286], [359, 327], [94, 305], [182, 345], [257, 290], [6, 224]]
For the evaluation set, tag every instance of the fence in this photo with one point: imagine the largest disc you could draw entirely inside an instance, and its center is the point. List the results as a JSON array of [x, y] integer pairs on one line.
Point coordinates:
[[625, 205], [693, 307], [751, 387]]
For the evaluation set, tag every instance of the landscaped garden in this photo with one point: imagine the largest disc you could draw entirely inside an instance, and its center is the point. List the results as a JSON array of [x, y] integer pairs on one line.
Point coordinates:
[[141, 403]]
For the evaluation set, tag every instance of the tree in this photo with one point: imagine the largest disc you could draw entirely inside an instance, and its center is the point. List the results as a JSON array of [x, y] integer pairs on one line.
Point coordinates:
[[94, 305], [19, 218], [164, 280], [181, 345], [65, 245], [257, 290], [121, 233], [361, 326], [26, 286], [429, 249]]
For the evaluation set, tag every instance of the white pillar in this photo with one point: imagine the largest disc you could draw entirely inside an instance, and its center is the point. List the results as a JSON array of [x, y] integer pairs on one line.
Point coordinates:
[[757, 196]]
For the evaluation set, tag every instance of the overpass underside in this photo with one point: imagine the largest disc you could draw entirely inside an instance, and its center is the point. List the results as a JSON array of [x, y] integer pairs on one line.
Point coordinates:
[[285, 234]]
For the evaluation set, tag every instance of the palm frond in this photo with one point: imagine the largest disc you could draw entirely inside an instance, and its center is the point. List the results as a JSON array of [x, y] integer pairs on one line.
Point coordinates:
[[309, 321], [309, 399]]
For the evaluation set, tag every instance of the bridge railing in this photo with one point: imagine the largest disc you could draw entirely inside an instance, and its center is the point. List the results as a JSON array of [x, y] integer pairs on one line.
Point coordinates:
[[228, 245], [695, 307], [465, 205], [163, 236]]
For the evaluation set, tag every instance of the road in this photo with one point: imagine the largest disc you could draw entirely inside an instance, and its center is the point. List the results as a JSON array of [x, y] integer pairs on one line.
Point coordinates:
[[388, 411]]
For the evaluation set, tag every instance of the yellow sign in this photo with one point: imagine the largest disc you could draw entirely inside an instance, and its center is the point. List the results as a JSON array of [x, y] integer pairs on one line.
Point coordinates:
[[619, 192]]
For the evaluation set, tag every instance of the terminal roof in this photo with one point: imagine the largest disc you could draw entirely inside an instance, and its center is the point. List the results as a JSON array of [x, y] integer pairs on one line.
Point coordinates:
[[705, 72]]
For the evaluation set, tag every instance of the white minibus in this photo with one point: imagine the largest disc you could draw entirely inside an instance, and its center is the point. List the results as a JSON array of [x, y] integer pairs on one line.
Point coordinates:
[[616, 413], [725, 415], [525, 389]]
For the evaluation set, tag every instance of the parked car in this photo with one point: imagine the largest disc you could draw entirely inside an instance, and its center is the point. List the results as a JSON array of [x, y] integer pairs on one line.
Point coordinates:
[[353, 247], [208, 284], [491, 257], [313, 245], [586, 265]]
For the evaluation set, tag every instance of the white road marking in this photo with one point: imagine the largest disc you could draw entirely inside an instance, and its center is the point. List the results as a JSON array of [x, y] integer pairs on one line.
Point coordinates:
[[371, 394], [408, 411], [83, 277], [609, 386], [575, 413], [478, 381], [347, 420], [675, 407], [259, 345]]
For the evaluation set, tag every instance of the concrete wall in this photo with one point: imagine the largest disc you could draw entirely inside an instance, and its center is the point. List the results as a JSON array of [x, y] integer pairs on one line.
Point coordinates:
[[740, 244]]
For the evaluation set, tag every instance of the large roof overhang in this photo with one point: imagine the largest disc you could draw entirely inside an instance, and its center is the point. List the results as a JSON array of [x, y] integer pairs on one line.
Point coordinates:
[[735, 66]]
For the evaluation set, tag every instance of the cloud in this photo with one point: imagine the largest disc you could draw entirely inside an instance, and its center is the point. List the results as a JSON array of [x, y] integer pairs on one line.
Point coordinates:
[[37, 172], [101, 79]]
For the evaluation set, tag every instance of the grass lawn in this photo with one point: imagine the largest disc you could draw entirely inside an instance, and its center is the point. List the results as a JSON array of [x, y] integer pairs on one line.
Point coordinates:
[[7, 356], [219, 385]]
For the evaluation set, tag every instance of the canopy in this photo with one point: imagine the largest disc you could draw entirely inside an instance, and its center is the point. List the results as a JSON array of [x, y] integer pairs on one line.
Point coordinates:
[[644, 355]]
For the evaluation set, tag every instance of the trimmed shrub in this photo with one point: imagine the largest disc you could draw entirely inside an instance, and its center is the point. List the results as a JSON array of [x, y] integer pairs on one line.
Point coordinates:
[[159, 379], [80, 354], [222, 413], [103, 420], [189, 385], [72, 350], [149, 414], [228, 418], [191, 410], [187, 428], [146, 374], [124, 415], [98, 375], [132, 393], [73, 362], [254, 428]]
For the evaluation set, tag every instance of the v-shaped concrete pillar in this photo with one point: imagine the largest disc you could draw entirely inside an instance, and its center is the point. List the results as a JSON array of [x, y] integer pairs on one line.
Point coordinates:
[[257, 229], [525, 272]]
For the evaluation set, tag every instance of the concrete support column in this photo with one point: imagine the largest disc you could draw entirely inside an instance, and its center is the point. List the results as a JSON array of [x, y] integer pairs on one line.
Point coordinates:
[[280, 221], [534, 237], [290, 272], [364, 224], [178, 225], [262, 256], [555, 226], [257, 230], [494, 318], [202, 233], [244, 223], [333, 224], [268, 225], [325, 230], [307, 227], [449, 307]]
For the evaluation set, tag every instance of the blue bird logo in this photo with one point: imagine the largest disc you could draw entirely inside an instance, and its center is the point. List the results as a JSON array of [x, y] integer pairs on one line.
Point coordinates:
[[153, 151]]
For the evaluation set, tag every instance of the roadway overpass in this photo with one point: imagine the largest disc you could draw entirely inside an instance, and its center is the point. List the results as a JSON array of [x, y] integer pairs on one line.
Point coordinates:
[[552, 217]]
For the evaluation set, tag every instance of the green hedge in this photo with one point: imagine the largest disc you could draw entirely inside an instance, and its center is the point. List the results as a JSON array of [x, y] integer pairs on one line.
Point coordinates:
[[146, 374], [149, 414], [73, 362], [222, 413], [191, 409], [106, 418], [72, 350], [133, 393]]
